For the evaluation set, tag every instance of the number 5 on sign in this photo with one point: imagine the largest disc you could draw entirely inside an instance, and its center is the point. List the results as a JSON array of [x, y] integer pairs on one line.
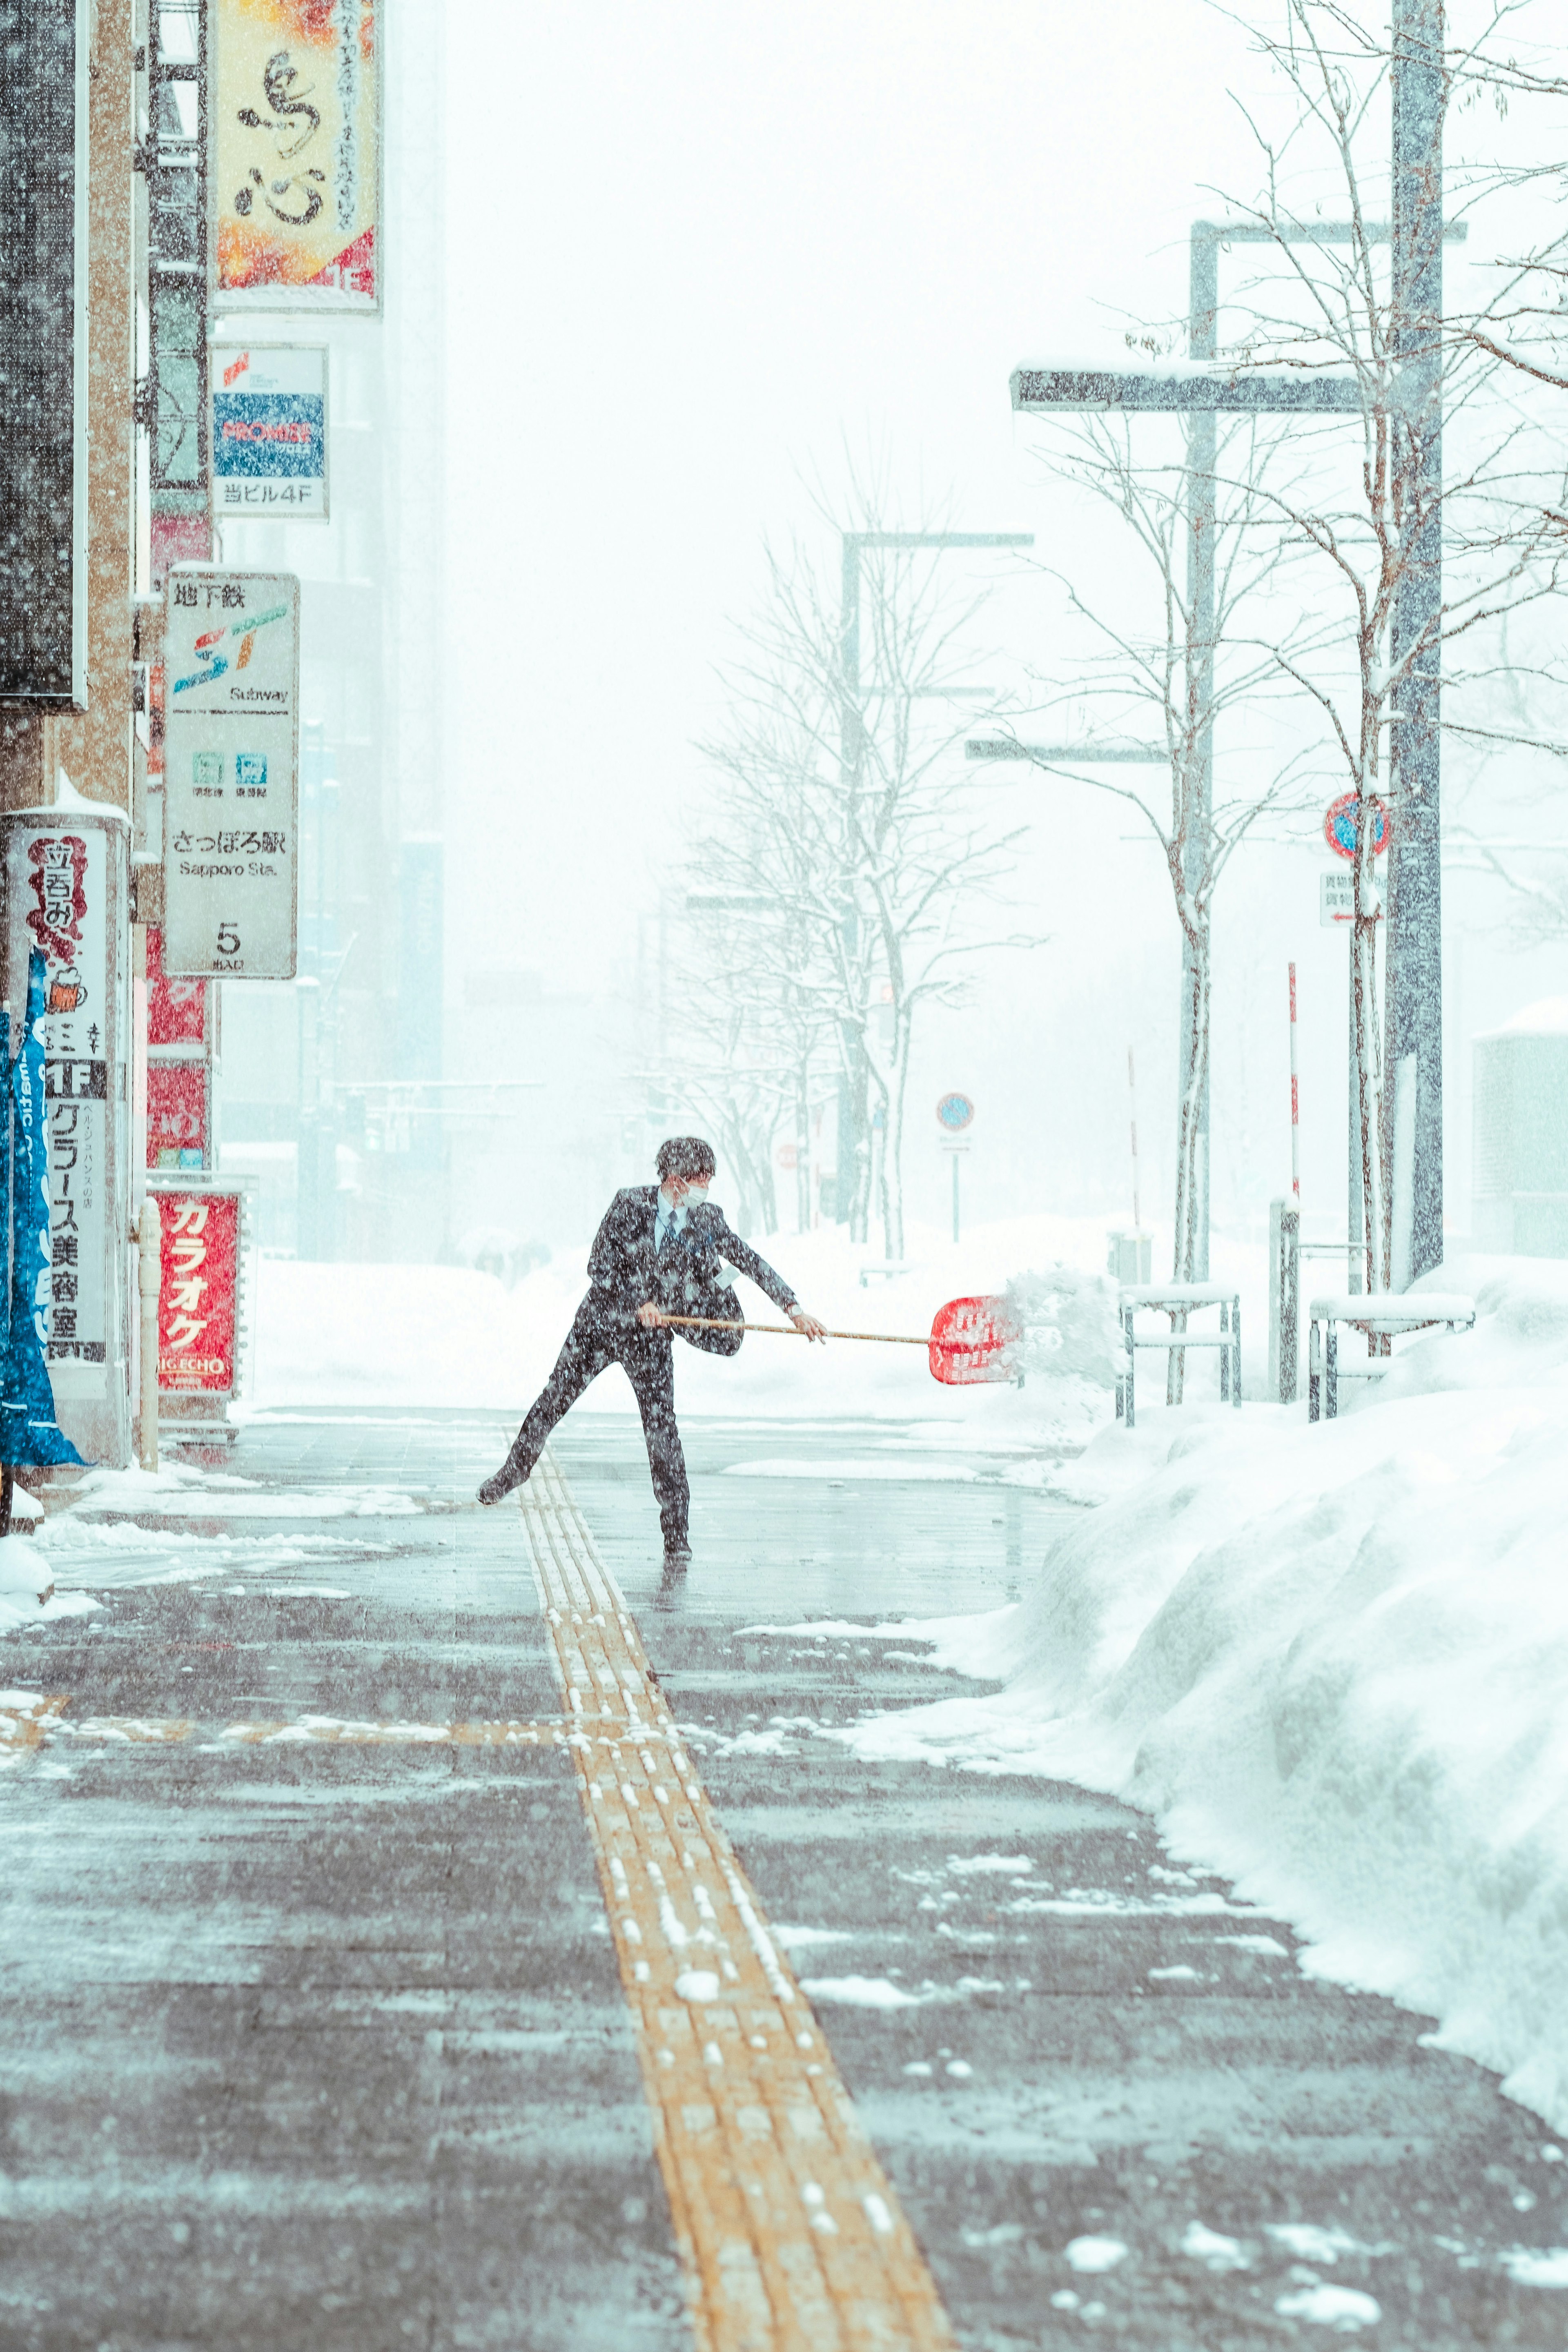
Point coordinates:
[[231, 657]]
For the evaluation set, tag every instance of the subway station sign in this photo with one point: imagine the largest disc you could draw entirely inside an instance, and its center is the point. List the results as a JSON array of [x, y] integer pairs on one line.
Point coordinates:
[[231, 730]]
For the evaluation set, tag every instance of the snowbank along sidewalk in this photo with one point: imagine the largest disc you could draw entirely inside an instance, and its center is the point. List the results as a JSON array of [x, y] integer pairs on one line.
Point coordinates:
[[1333, 1659]]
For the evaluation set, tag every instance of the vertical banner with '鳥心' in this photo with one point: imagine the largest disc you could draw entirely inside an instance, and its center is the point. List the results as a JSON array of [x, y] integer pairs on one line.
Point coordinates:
[[67, 886], [297, 153]]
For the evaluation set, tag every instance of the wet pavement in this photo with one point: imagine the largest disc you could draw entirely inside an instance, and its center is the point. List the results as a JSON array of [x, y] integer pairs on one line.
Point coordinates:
[[315, 2035]]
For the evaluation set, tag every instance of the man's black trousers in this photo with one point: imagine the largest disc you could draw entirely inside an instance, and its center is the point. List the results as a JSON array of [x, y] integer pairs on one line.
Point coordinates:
[[598, 1339]]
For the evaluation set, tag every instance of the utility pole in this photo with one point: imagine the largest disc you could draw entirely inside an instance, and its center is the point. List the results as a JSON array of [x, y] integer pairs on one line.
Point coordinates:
[[853, 1203], [1413, 1091]]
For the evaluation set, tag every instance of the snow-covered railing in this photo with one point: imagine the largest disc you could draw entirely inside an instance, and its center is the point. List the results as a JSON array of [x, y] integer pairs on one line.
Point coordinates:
[[1381, 1314], [1177, 1299]]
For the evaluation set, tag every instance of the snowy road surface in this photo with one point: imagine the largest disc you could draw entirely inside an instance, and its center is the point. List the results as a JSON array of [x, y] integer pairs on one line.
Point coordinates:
[[315, 2032]]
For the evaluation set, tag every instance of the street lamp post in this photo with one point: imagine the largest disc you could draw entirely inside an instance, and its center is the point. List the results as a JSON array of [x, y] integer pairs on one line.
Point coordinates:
[[854, 1129]]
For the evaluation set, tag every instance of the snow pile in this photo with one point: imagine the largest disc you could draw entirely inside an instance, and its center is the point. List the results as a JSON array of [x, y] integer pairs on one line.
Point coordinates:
[[24, 1579], [27, 1576], [1070, 1325], [1333, 1661]]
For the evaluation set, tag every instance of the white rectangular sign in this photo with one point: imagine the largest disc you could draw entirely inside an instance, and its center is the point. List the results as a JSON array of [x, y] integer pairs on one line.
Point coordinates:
[[231, 655], [269, 426], [1336, 898]]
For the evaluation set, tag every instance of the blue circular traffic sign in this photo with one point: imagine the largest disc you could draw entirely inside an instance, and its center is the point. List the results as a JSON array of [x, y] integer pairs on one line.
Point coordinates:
[[1339, 826], [954, 1112]]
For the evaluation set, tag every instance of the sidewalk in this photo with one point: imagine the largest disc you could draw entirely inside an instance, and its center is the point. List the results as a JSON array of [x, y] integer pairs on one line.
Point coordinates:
[[316, 2031]]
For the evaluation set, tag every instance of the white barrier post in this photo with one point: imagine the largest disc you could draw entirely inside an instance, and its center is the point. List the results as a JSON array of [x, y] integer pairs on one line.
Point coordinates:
[[1295, 1106], [149, 1269]]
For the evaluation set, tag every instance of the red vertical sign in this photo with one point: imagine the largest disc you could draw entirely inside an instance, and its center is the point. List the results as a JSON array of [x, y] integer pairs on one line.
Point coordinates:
[[177, 1115], [198, 1305], [176, 1009], [179, 1074]]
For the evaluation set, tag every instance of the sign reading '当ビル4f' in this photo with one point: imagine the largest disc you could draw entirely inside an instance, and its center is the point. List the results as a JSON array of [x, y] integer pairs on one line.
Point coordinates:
[[231, 655]]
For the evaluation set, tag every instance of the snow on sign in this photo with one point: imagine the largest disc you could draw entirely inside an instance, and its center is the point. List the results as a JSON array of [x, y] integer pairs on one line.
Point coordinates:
[[231, 651], [1339, 822], [269, 432], [955, 1113]]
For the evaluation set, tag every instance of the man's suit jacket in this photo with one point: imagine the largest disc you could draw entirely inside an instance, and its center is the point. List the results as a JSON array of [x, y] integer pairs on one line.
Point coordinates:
[[626, 1270]]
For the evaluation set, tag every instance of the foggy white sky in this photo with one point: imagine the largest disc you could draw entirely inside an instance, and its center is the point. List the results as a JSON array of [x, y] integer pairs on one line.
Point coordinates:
[[692, 249]]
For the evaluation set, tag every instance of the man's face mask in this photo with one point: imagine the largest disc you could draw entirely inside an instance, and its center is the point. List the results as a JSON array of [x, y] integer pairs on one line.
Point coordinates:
[[695, 1195]]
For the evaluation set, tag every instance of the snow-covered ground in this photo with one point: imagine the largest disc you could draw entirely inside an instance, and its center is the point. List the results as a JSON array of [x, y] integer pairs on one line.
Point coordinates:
[[1333, 1661], [429, 1335]]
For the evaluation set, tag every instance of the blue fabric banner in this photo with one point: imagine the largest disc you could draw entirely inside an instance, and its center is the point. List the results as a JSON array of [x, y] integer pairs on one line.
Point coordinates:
[[29, 1429]]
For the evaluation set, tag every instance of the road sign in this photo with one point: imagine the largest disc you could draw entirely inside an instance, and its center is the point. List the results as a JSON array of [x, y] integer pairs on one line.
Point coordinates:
[[231, 773], [1336, 899], [955, 1113], [269, 432], [788, 1155], [1339, 822]]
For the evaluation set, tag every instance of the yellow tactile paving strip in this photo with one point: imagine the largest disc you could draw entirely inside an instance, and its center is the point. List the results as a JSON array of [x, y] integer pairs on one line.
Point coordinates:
[[788, 2230]]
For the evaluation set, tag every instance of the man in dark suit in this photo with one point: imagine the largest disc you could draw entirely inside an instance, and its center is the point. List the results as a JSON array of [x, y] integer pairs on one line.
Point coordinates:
[[656, 1254]]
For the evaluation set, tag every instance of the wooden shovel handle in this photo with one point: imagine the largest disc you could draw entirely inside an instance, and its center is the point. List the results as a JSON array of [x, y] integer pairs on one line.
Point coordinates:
[[788, 1331]]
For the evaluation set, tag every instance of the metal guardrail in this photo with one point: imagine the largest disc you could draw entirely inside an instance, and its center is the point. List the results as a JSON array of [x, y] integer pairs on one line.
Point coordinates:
[[1179, 1300], [1380, 1315]]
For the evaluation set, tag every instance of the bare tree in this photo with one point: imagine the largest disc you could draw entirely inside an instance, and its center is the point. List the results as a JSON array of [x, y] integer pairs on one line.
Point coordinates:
[[874, 868], [754, 1039]]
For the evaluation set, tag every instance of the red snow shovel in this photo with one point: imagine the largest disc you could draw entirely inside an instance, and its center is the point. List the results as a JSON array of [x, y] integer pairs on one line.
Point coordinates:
[[972, 1339]]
